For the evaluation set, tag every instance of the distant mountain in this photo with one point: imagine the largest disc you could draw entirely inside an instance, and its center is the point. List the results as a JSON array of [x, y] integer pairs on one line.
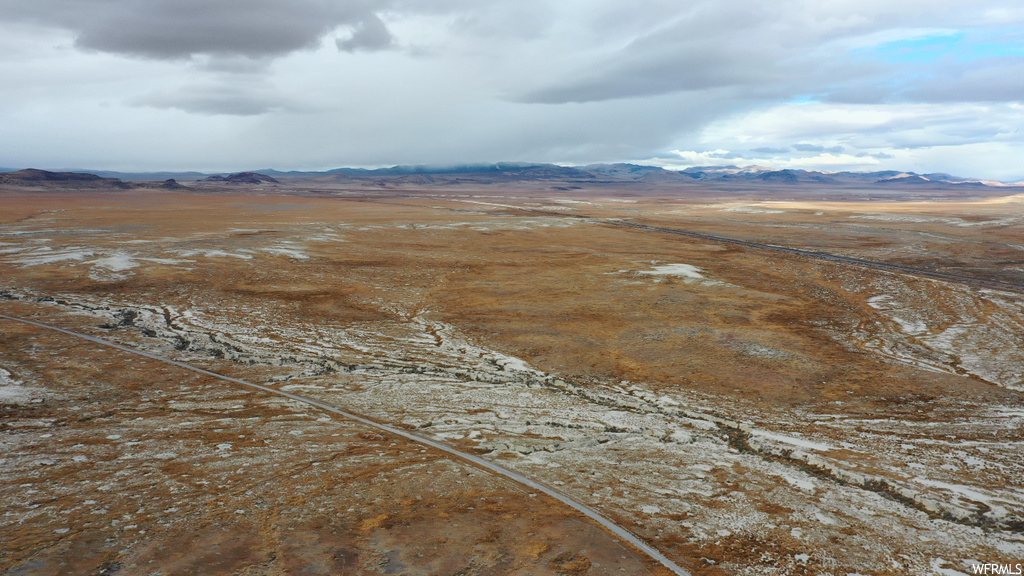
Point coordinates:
[[794, 176], [943, 177], [242, 178], [44, 178], [147, 176], [503, 170], [623, 170], [404, 176], [904, 179], [639, 173], [779, 176]]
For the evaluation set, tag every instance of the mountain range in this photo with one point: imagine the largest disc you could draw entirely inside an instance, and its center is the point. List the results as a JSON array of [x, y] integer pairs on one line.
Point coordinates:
[[397, 176]]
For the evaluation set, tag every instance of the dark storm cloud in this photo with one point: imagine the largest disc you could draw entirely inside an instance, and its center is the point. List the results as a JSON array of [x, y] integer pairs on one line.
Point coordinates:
[[218, 99], [210, 104], [169, 29], [689, 55], [782, 50], [293, 82], [370, 34]]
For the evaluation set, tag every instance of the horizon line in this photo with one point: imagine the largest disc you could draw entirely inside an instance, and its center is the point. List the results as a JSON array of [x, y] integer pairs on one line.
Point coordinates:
[[454, 166]]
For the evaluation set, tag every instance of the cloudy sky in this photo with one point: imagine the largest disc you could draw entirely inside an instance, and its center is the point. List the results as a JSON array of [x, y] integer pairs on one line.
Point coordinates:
[[217, 85]]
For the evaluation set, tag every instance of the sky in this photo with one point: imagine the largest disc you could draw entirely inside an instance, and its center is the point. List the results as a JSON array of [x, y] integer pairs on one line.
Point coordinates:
[[227, 85]]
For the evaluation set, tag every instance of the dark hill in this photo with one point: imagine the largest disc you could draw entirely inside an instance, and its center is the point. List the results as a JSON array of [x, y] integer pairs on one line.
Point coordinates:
[[34, 177], [171, 184], [911, 179], [779, 176], [501, 171], [242, 178]]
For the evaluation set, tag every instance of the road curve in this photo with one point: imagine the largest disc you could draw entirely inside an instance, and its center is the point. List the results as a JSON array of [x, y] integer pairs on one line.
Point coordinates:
[[396, 431]]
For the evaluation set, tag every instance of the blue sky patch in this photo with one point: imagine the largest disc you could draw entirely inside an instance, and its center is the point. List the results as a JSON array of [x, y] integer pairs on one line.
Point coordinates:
[[958, 46]]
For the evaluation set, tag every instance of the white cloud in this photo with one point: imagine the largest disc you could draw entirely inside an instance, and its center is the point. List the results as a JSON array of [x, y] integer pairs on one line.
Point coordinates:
[[717, 157], [824, 161], [869, 127], [449, 81], [830, 161]]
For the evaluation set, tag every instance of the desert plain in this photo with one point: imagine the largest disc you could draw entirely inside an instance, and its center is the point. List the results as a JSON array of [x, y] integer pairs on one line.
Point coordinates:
[[652, 352]]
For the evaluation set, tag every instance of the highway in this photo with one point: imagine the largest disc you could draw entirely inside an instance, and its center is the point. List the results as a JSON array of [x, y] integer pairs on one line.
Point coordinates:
[[607, 524], [981, 282], [876, 264]]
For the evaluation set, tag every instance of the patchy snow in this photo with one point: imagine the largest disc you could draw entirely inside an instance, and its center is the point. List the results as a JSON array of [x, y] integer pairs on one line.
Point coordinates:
[[1003, 412], [971, 331], [795, 479], [289, 251], [681, 437], [215, 254], [6, 379], [520, 418], [895, 218], [937, 568], [949, 220], [791, 440], [326, 237], [512, 363], [118, 262], [964, 491], [16, 395], [13, 393], [684, 270], [752, 210], [47, 255], [496, 205], [887, 303], [824, 519], [163, 260]]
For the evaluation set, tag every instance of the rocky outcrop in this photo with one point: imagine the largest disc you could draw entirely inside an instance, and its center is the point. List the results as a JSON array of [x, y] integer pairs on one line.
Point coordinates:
[[242, 178], [160, 325], [42, 178], [171, 184]]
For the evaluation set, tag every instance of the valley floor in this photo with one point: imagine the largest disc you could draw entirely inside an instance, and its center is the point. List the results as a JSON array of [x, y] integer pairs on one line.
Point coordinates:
[[742, 410]]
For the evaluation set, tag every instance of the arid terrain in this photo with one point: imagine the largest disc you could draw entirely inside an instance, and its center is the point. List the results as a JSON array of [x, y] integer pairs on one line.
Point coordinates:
[[753, 380]]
